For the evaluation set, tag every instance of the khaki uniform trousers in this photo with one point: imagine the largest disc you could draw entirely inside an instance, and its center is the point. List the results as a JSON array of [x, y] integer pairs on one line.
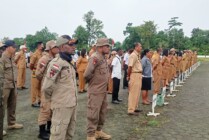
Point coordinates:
[[45, 113], [9, 98], [81, 80], [135, 84], [63, 123], [21, 77], [97, 108], [157, 83], [35, 89]]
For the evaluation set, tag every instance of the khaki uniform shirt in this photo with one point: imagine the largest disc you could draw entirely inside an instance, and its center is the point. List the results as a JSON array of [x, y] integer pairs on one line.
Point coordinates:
[[82, 64], [157, 64], [134, 62], [42, 65], [8, 67], [97, 74], [34, 58], [59, 84], [20, 60]]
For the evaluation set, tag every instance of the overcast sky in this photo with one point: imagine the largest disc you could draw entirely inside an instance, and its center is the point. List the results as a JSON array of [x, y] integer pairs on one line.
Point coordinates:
[[21, 17]]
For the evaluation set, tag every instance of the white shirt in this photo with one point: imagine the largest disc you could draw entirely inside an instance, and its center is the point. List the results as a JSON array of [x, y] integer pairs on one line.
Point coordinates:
[[126, 56], [116, 67]]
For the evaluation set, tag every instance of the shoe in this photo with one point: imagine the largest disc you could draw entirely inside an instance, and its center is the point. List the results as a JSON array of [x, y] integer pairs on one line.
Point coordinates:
[[91, 138], [119, 100], [15, 126], [146, 103], [19, 88], [133, 114], [138, 110], [102, 135], [84, 90], [48, 127], [35, 105], [24, 88], [4, 133], [80, 92], [115, 102], [42, 133]]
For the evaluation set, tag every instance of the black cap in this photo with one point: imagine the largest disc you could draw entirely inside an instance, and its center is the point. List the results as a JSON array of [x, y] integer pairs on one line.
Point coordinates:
[[9, 43]]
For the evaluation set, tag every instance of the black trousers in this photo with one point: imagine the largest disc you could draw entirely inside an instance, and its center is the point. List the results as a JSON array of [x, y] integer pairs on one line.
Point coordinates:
[[125, 82], [116, 87]]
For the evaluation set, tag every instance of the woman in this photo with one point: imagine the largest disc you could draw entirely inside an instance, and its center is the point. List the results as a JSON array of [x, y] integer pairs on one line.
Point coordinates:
[[81, 67], [166, 67], [146, 75]]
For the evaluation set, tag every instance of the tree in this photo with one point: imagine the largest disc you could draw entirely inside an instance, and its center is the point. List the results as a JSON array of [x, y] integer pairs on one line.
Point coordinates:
[[44, 35], [93, 27], [19, 41], [82, 35]]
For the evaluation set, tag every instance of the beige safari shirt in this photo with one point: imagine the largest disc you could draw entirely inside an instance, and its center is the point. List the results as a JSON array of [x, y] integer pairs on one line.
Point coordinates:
[[20, 60], [59, 84], [134, 62], [34, 58], [97, 74]]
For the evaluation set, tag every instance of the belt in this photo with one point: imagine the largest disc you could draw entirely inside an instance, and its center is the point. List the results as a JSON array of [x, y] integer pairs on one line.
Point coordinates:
[[137, 72]]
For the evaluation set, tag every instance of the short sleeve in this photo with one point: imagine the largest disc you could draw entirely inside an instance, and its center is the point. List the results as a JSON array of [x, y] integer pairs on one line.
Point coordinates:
[[114, 61], [131, 61]]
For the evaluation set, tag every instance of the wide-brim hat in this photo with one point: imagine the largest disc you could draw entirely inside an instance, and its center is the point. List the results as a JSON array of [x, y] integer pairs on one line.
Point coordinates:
[[103, 42], [50, 44]]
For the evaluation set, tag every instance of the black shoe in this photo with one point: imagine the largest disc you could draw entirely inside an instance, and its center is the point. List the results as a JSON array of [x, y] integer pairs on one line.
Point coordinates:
[[42, 133], [35, 105], [24, 88], [115, 102], [19, 88], [119, 100], [48, 127], [137, 110]]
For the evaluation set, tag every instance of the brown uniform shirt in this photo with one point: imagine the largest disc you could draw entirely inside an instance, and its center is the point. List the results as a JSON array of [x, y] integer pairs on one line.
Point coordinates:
[[82, 64], [59, 84], [157, 65], [97, 74], [34, 59], [20, 60], [42, 65], [134, 62], [8, 67], [91, 52]]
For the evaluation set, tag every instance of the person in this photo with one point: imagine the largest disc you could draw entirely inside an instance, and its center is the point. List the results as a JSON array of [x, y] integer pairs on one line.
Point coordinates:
[[96, 75], [166, 67], [157, 71], [81, 67], [45, 113], [93, 50], [116, 76], [134, 77], [35, 83], [9, 86], [146, 75], [60, 88], [110, 81], [20, 60], [125, 67]]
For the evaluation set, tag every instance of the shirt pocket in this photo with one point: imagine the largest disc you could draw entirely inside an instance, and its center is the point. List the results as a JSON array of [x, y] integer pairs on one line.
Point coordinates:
[[103, 70]]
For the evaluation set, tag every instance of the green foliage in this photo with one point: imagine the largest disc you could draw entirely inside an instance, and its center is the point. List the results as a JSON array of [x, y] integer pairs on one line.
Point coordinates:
[[44, 35], [82, 35], [93, 27]]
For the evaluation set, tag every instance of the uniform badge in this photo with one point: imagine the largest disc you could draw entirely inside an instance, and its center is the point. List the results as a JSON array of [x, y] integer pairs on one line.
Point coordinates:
[[94, 61], [54, 70], [42, 64]]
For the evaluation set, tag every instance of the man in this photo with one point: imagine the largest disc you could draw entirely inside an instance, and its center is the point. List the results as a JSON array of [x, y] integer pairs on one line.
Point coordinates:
[[135, 80], [45, 110], [21, 66], [93, 50], [35, 83], [116, 76], [60, 88], [9, 86], [96, 75], [125, 67], [157, 71]]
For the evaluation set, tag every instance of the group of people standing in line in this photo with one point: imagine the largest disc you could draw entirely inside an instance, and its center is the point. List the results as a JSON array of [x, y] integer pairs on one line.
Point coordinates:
[[54, 84]]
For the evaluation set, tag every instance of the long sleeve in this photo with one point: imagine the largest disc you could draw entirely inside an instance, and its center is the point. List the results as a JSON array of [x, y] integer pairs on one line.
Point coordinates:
[[89, 72]]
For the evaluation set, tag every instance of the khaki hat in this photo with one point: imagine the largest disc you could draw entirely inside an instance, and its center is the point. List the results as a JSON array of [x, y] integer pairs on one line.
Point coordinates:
[[172, 49], [102, 42], [50, 44], [61, 41], [23, 47]]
